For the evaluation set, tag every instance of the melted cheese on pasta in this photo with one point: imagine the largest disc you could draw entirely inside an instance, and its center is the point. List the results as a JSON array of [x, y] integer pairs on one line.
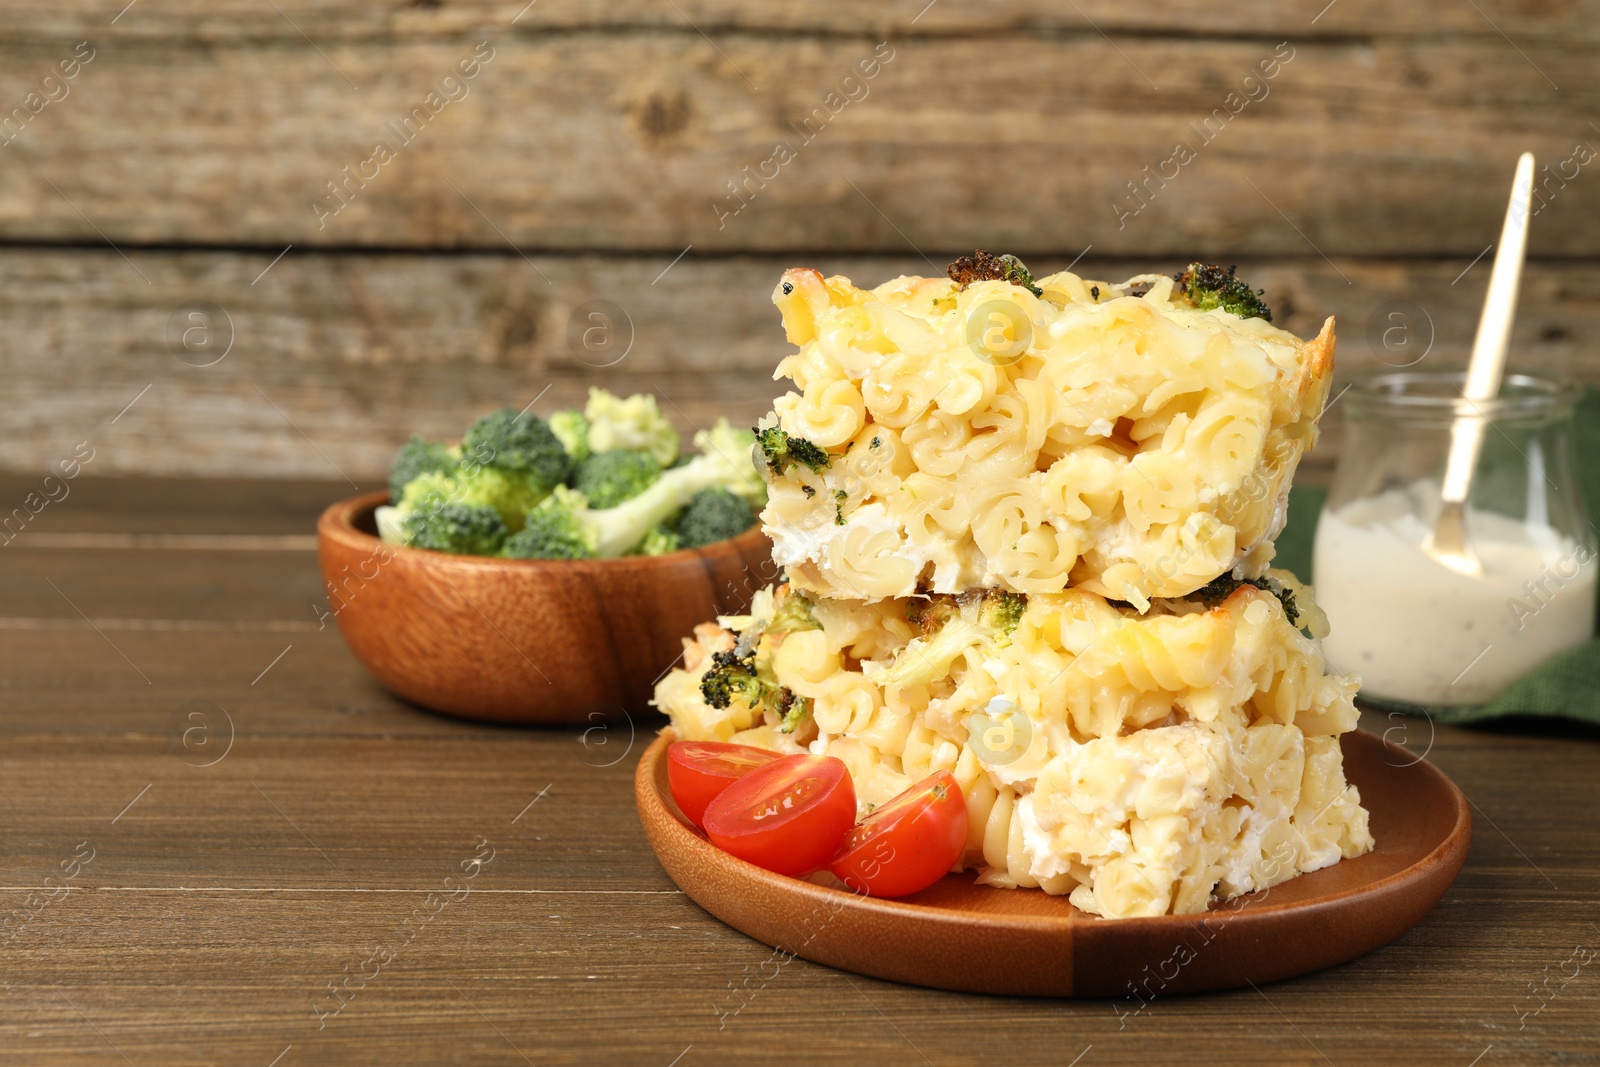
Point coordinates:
[[1130, 445], [1142, 763]]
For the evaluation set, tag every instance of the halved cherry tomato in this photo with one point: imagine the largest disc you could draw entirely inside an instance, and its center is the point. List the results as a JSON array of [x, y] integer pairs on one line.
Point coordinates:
[[699, 770], [788, 816], [907, 844]]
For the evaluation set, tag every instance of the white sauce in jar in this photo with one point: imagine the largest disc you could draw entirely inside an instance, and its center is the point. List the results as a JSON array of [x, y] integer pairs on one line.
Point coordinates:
[[1417, 631]]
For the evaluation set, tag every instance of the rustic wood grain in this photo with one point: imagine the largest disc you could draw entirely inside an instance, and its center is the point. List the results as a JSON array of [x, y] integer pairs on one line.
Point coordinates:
[[196, 20], [231, 507], [222, 902], [338, 358], [592, 139]]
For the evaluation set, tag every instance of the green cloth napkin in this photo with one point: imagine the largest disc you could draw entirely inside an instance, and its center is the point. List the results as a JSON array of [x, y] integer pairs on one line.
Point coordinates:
[[1566, 687]]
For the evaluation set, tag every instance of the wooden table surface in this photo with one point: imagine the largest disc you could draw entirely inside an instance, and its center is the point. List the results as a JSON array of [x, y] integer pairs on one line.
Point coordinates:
[[210, 816]]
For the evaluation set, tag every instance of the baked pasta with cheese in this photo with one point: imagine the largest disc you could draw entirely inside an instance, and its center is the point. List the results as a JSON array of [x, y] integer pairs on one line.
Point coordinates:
[[1142, 763], [986, 431]]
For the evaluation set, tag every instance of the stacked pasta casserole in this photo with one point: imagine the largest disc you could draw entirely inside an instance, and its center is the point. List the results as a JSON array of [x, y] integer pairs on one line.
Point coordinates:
[[1025, 530]]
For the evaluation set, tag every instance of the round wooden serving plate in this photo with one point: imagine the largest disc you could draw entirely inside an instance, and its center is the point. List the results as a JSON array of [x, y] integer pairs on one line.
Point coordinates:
[[962, 936]]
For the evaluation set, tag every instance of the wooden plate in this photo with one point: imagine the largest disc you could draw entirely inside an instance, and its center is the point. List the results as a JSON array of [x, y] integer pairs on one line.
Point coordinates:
[[962, 936]]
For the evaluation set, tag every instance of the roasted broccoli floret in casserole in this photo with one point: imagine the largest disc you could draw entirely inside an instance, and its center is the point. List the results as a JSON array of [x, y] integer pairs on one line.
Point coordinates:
[[953, 624], [981, 266], [1210, 287], [783, 451]]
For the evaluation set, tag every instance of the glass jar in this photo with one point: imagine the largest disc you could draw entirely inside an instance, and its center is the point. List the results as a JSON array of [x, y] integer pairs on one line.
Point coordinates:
[[1418, 632]]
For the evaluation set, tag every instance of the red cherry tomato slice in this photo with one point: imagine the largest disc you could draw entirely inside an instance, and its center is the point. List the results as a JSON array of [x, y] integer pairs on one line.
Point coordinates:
[[788, 816], [699, 770], [907, 844]]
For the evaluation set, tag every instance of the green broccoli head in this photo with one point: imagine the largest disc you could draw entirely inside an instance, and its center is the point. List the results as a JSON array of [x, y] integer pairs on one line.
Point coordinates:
[[557, 528], [1209, 287], [733, 678], [714, 514], [437, 511], [659, 541], [572, 430], [511, 493], [606, 479], [622, 528], [1002, 611], [418, 457], [951, 625], [792, 611], [520, 442], [783, 451], [634, 422], [447, 526]]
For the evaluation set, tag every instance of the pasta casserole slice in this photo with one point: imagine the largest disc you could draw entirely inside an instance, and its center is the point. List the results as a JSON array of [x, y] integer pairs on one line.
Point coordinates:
[[946, 434], [1141, 763]]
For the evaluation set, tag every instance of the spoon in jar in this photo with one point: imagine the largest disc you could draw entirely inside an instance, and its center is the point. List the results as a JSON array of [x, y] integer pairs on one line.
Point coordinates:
[[1448, 542]]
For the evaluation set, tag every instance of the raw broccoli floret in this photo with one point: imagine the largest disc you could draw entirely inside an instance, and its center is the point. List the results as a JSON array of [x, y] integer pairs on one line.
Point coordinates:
[[1210, 287], [783, 451], [446, 526], [634, 422], [723, 462], [521, 442], [659, 541], [619, 530], [555, 529], [418, 457], [572, 430], [606, 479], [511, 493], [438, 511], [712, 515], [952, 625]]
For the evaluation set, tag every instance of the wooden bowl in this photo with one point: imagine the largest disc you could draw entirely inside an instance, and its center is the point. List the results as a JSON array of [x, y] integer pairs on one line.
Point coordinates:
[[962, 936], [524, 641]]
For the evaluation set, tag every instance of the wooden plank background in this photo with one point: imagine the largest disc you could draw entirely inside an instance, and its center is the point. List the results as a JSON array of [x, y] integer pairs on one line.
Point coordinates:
[[596, 147]]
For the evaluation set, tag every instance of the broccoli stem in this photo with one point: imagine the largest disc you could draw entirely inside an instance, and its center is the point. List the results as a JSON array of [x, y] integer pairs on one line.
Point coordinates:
[[619, 529]]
